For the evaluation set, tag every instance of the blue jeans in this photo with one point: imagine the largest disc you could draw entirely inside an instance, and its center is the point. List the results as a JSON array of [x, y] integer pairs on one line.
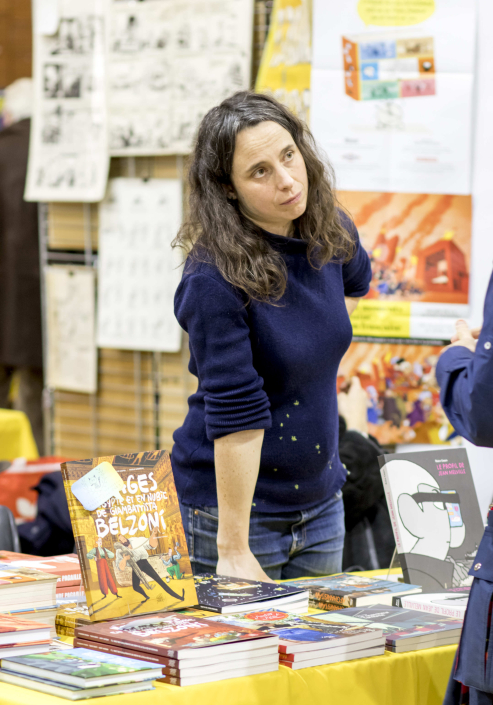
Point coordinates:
[[287, 545]]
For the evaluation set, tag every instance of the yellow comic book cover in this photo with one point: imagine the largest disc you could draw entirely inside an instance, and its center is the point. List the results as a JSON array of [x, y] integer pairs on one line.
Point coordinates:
[[129, 534]]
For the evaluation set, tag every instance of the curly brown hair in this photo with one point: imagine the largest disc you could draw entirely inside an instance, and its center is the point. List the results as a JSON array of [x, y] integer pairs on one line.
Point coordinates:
[[217, 230]]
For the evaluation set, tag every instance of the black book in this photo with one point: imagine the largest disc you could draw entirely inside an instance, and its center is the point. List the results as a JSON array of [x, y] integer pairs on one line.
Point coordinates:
[[435, 515]]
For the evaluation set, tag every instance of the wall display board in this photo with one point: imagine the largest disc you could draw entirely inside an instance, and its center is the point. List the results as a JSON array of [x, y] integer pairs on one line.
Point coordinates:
[[403, 395], [286, 62], [138, 269], [420, 249], [68, 154], [169, 62], [392, 93], [71, 328]]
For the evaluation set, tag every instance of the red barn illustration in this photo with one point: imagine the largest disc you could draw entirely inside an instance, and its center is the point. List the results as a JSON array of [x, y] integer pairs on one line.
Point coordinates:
[[442, 267]]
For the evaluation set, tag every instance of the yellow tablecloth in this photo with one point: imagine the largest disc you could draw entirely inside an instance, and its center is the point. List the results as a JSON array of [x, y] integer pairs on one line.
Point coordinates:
[[16, 437], [414, 678]]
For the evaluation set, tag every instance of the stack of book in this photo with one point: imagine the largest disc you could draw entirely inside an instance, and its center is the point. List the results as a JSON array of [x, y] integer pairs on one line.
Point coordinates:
[[305, 641], [76, 674], [70, 617], [451, 602], [190, 650], [66, 567], [220, 593], [347, 590], [405, 630], [22, 636], [29, 594]]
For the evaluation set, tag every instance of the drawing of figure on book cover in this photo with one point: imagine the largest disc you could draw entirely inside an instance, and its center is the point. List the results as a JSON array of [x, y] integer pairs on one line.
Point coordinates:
[[105, 578], [172, 564], [134, 552], [432, 517]]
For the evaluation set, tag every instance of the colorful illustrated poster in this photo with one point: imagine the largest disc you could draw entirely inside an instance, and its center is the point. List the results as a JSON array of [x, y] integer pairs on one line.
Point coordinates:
[[71, 328], [68, 152], [170, 61], [403, 395], [286, 63], [129, 534], [138, 269], [420, 249], [392, 90]]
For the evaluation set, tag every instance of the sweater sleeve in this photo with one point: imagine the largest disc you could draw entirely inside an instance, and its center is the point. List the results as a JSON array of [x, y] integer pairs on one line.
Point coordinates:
[[466, 383], [356, 273], [217, 324]]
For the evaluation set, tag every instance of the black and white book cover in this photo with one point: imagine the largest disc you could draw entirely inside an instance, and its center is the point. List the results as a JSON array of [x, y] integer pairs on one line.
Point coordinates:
[[435, 515], [220, 593]]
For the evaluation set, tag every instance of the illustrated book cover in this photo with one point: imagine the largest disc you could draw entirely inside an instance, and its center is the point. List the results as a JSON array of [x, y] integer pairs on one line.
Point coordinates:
[[297, 633], [129, 534], [450, 603], [353, 590], [81, 667], [398, 624], [173, 635], [220, 593], [435, 515], [66, 567]]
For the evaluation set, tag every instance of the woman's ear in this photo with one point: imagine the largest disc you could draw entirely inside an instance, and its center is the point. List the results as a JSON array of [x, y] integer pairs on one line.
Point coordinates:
[[230, 192]]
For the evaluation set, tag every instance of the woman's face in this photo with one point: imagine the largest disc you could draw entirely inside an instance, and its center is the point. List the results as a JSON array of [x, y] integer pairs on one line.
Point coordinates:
[[269, 177]]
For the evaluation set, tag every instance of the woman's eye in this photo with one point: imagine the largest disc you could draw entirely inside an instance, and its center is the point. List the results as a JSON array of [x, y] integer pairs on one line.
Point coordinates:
[[289, 155], [259, 172]]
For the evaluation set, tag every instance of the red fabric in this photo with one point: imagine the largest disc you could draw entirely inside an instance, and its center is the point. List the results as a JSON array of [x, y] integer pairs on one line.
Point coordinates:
[[104, 576]]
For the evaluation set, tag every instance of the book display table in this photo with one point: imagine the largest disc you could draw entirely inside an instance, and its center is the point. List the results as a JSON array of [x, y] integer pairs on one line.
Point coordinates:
[[16, 436], [413, 678]]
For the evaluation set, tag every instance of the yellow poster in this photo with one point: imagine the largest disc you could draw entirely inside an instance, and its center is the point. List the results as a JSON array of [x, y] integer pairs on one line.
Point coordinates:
[[286, 63]]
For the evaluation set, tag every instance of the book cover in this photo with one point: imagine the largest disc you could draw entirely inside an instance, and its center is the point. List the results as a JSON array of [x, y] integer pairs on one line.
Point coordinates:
[[353, 590], [167, 634], [435, 515], [10, 576], [294, 630], [217, 592], [71, 692], [12, 627], [66, 567], [449, 603], [397, 623], [82, 664], [73, 616], [129, 534]]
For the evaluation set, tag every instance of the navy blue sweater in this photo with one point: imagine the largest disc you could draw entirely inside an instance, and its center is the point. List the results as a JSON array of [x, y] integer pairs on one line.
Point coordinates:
[[268, 367]]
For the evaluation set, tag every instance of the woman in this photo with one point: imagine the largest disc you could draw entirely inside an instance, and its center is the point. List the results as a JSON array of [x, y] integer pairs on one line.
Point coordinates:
[[263, 300]]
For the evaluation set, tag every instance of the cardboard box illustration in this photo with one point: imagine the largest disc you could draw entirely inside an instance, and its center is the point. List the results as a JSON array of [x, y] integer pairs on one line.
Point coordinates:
[[382, 67]]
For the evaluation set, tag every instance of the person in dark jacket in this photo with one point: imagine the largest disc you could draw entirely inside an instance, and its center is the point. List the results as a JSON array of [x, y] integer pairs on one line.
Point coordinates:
[[20, 294], [465, 375]]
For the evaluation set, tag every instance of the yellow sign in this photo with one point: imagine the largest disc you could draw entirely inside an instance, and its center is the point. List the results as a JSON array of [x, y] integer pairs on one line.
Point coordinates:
[[395, 13], [382, 319]]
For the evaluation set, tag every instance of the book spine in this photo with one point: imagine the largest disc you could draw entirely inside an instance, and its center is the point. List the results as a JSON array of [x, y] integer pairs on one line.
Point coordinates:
[[119, 643], [392, 508], [116, 650], [331, 599], [286, 657], [327, 606]]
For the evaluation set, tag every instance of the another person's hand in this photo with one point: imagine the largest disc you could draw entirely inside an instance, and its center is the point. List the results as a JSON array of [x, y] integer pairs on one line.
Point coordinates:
[[353, 406], [464, 336], [242, 565]]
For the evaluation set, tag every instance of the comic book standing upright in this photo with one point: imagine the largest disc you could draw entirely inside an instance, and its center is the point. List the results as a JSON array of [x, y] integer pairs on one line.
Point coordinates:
[[435, 515], [129, 534]]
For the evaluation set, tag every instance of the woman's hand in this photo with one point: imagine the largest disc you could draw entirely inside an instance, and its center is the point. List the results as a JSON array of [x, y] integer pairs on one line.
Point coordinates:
[[241, 565], [464, 336]]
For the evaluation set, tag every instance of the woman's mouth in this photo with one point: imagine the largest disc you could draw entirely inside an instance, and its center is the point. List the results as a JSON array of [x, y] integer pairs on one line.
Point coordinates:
[[294, 199]]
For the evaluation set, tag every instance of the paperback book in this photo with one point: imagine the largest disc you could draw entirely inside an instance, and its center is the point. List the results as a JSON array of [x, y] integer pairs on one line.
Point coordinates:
[[129, 534], [449, 603], [15, 630], [435, 515], [302, 634], [404, 629], [24, 588], [220, 593], [65, 567], [175, 635], [71, 692], [81, 667], [352, 590]]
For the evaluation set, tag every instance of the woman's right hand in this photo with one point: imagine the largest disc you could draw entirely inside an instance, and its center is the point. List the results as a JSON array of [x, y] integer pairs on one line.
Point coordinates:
[[242, 565]]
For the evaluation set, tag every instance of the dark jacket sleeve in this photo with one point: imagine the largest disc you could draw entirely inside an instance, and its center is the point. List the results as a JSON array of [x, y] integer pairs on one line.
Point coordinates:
[[356, 273], [217, 324], [466, 383]]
